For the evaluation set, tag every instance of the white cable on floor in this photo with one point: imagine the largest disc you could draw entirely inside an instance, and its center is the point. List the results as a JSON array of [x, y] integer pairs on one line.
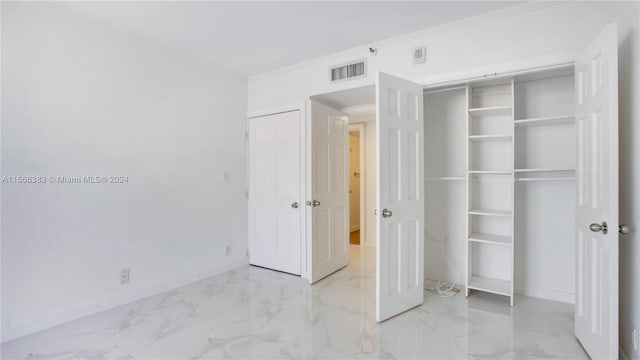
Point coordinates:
[[443, 288]]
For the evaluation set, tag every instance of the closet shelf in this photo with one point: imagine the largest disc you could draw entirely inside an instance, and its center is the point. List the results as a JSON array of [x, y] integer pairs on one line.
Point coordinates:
[[490, 172], [446, 178], [552, 174], [495, 286], [543, 170], [497, 137], [490, 239], [488, 212], [491, 111], [551, 178], [546, 121]]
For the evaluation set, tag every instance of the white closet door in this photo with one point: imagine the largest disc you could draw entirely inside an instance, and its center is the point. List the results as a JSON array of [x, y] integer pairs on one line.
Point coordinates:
[[328, 194], [400, 196], [275, 213], [596, 310]]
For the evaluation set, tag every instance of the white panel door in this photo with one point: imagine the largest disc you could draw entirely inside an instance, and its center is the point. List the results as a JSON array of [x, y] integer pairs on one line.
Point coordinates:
[[596, 310], [400, 196], [328, 191], [275, 212]]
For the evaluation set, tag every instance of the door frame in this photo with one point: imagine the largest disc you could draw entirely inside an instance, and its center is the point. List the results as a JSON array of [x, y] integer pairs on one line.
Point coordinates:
[[362, 213], [302, 109]]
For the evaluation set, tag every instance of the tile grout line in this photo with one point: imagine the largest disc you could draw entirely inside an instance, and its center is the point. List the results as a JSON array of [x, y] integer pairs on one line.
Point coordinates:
[[118, 346], [429, 337]]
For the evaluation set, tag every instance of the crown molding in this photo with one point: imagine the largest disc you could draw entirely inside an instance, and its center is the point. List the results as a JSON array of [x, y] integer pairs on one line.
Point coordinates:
[[345, 55], [509, 68]]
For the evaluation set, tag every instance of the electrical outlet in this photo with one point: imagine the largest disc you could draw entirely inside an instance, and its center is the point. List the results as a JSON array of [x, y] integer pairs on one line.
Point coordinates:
[[228, 250], [634, 339], [124, 276]]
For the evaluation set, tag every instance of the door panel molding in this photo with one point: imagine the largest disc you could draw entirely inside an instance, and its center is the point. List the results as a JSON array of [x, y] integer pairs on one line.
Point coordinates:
[[274, 184], [327, 184], [400, 196], [596, 309]]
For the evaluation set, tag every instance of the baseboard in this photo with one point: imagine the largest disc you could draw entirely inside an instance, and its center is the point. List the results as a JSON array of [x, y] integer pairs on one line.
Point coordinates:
[[548, 294], [355, 228], [33, 326]]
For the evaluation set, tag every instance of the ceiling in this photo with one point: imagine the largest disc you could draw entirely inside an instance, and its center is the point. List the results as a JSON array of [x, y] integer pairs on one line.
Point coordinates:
[[254, 37], [364, 95]]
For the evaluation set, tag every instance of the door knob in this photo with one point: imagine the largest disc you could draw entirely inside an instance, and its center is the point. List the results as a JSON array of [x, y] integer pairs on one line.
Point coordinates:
[[597, 227], [624, 229], [386, 213], [313, 203], [294, 205]]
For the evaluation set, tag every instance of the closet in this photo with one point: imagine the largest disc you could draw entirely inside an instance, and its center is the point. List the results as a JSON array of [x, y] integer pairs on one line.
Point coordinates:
[[500, 184]]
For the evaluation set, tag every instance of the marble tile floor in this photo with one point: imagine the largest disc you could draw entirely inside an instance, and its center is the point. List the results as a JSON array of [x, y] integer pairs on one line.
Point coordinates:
[[254, 313]]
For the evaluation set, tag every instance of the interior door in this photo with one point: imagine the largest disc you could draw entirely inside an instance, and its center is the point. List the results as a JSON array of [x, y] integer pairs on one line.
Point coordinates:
[[275, 213], [596, 310], [328, 191], [400, 196]]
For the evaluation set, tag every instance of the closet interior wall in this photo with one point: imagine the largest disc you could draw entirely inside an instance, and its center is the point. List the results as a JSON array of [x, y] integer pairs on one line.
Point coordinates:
[[545, 206]]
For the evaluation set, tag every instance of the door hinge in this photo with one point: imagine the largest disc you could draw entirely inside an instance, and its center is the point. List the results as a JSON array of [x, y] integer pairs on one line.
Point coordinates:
[[246, 194], [246, 135]]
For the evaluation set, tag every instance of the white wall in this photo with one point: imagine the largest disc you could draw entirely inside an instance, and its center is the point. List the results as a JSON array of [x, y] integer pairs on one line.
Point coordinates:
[[80, 99], [445, 141], [484, 45], [369, 121], [529, 36]]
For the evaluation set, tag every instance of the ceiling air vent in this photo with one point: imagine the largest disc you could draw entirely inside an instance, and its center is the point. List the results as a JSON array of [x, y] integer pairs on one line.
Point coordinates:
[[352, 70]]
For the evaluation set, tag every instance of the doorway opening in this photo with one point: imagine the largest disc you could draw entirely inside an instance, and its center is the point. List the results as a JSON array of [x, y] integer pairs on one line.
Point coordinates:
[[398, 209], [356, 180], [358, 106], [362, 178]]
